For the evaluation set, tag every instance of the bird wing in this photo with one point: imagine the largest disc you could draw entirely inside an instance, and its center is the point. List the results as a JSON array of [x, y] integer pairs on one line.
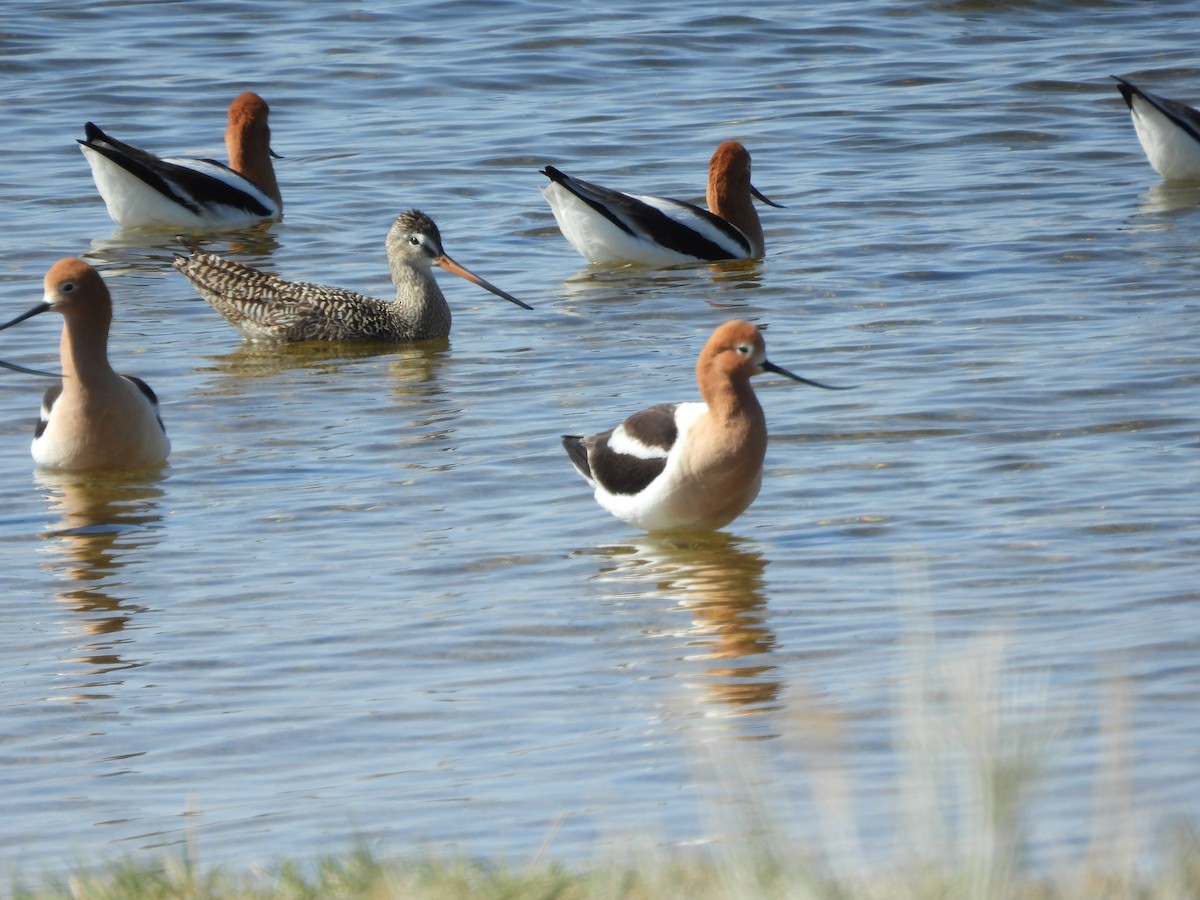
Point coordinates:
[[626, 459], [1181, 114], [192, 183], [675, 224]]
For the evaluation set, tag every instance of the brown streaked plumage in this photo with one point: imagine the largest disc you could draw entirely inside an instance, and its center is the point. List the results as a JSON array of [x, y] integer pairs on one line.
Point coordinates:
[[265, 307]]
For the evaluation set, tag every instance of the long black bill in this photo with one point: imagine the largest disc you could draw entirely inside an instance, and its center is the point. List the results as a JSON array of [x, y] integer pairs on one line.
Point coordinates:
[[769, 366], [28, 314], [13, 367], [759, 194]]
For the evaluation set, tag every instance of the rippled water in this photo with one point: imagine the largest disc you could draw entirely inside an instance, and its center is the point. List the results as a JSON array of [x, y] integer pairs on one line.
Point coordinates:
[[370, 599]]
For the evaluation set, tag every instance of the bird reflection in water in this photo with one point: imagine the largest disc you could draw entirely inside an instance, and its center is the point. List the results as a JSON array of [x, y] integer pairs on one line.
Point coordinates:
[[1165, 197], [596, 287], [409, 366], [104, 524], [716, 580], [149, 250], [266, 389]]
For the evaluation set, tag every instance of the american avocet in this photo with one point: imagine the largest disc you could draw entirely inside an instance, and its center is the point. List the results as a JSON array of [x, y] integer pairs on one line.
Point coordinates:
[[142, 190], [1169, 132], [608, 226], [267, 308], [93, 418], [688, 466]]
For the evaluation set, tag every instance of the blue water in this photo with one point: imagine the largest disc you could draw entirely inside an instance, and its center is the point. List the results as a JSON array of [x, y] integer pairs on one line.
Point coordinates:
[[369, 599]]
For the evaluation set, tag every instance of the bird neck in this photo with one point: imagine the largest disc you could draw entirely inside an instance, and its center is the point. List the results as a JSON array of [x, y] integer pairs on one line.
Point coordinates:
[[83, 351], [732, 437], [730, 400], [420, 301], [733, 202], [251, 159]]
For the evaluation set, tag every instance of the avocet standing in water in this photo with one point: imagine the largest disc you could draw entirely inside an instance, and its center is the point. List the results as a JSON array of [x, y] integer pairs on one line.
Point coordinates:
[[688, 466], [93, 418]]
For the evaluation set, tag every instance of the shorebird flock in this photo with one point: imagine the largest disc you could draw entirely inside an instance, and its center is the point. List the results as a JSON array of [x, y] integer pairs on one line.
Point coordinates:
[[674, 467]]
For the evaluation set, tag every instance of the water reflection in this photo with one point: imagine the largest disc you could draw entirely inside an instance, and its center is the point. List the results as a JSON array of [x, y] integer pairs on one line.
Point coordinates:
[[104, 524], [598, 282], [718, 581], [411, 364], [264, 390], [1169, 196], [151, 250]]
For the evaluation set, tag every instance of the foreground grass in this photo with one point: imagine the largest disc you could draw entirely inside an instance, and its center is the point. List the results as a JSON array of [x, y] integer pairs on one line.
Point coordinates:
[[975, 747], [362, 875]]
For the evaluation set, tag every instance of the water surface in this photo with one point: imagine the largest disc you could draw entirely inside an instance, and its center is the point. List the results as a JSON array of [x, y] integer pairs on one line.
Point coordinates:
[[369, 599]]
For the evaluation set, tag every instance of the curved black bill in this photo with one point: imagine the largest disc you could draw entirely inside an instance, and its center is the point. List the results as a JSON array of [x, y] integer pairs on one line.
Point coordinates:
[[28, 314], [15, 368], [769, 366], [759, 194]]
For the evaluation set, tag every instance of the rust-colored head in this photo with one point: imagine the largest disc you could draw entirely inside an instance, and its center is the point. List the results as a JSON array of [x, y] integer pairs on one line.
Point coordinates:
[[730, 194], [730, 164], [74, 288], [248, 143], [249, 111], [735, 353]]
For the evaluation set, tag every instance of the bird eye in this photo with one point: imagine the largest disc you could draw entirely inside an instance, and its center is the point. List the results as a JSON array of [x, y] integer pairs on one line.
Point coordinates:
[[743, 349], [68, 286], [415, 240]]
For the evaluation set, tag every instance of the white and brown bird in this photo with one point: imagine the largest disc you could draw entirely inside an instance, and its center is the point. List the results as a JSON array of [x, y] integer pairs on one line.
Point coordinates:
[[609, 226], [93, 418], [264, 307], [142, 190], [688, 466]]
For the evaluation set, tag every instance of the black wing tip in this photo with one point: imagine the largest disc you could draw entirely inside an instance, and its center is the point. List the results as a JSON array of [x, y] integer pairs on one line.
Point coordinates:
[[1127, 88], [577, 452], [92, 134], [556, 175]]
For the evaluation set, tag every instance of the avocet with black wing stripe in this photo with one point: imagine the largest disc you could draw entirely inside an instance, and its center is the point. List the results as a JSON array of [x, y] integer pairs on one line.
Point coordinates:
[[608, 226], [688, 466], [142, 190]]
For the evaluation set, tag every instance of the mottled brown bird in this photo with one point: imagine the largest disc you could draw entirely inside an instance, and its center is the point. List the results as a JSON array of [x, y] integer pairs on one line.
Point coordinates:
[[267, 308]]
